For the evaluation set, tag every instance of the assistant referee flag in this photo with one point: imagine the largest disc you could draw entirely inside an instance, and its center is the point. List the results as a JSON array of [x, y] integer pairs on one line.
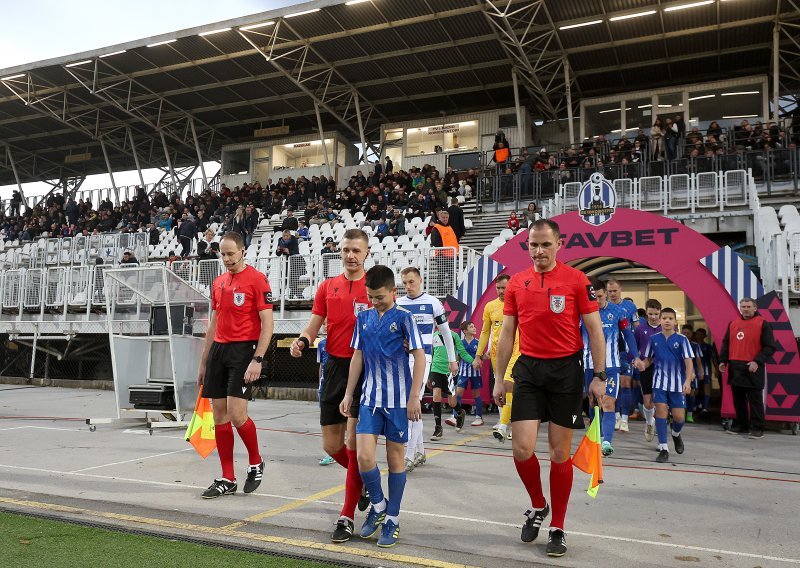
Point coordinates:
[[588, 457], [200, 432]]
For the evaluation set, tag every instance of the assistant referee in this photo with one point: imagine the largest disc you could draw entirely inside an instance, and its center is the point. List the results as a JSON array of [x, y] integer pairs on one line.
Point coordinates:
[[546, 302], [239, 332]]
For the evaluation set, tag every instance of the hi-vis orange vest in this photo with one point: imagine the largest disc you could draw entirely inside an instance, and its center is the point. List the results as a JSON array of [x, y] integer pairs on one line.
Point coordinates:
[[448, 239], [501, 155]]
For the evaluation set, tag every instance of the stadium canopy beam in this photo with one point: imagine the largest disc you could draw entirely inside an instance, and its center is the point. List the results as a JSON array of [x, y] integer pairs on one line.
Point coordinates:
[[110, 169], [149, 108], [326, 87], [29, 165], [169, 160], [786, 64], [322, 139], [199, 155], [10, 158], [136, 157]]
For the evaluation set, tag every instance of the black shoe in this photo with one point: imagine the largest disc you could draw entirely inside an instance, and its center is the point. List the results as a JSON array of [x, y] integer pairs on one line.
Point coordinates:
[[533, 522], [219, 488], [254, 475], [557, 543], [343, 531], [678, 441], [738, 430], [462, 414], [756, 434], [363, 500], [663, 456], [437, 434]]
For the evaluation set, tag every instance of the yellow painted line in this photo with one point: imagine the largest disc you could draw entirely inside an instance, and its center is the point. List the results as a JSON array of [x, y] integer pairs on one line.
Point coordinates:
[[333, 490], [297, 543]]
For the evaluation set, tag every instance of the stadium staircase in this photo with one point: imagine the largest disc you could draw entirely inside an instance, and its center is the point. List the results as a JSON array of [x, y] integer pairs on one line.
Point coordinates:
[[484, 228]]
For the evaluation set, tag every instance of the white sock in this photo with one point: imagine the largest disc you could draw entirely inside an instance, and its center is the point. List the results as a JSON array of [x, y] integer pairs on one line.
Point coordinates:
[[395, 520], [676, 434], [663, 447], [618, 415], [411, 444], [625, 418], [380, 507], [650, 416], [420, 445]]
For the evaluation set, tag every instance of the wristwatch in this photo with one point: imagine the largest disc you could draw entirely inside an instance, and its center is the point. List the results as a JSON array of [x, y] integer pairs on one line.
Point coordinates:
[[600, 375], [258, 359]]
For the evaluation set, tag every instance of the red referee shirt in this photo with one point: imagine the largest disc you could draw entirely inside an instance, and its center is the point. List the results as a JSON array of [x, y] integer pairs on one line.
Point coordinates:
[[237, 299], [339, 300], [548, 306]]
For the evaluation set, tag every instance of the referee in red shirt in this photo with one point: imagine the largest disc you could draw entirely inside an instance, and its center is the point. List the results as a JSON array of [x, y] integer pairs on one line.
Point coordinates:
[[546, 303], [337, 302], [239, 332]]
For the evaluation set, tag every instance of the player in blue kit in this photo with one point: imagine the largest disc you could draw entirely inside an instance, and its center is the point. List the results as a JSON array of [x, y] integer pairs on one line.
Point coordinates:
[[671, 354], [614, 322], [691, 399], [614, 289], [389, 397], [468, 376], [710, 359], [322, 359]]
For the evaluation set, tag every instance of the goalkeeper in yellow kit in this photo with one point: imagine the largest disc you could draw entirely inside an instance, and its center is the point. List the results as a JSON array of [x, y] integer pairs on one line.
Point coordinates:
[[492, 324]]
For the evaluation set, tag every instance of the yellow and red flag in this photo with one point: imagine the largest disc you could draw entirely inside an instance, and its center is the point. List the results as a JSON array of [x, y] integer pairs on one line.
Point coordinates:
[[200, 432], [588, 457]]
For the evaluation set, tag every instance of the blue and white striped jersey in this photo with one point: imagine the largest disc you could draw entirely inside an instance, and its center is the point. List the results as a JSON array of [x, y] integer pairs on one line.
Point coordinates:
[[465, 369], [322, 358], [697, 353], [707, 355], [614, 323], [668, 355], [428, 312], [387, 375]]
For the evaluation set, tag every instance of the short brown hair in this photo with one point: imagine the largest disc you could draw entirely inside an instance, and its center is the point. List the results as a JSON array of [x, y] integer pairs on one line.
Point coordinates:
[[464, 325], [409, 269], [236, 238], [652, 303], [354, 234], [540, 224], [501, 277]]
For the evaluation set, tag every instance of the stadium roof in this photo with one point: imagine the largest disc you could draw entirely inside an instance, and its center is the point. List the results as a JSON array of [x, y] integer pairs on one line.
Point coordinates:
[[396, 59]]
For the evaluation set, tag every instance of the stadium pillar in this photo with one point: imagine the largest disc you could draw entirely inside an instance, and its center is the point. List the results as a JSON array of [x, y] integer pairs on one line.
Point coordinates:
[[776, 47], [136, 157], [14, 170], [322, 139], [516, 104], [169, 161], [360, 127], [568, 91], [108, 166], [199, 155]]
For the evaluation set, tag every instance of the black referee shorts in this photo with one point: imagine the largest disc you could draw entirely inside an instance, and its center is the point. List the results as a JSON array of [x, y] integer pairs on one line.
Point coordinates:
[[646, 379], [548, 390], [337, 369], [225, 368]]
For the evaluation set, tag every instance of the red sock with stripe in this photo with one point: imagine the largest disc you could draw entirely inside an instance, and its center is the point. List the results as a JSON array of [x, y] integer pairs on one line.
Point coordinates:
[[352, 485], [560, 488], [530, 474], [249, 435], [223, 433]]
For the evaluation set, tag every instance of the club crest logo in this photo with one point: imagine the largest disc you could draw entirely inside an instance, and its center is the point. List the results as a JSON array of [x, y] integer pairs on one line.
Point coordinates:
[[597, 200], [238, 298], [359, 307], [393, 327], [557, 304]]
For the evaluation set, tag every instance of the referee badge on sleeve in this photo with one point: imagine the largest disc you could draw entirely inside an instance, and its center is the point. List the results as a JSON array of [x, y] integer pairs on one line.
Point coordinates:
[[557, 304], [238, 298], [267, 297]]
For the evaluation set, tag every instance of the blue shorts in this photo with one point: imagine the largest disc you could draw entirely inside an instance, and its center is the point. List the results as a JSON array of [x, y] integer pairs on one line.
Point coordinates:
[[695, 383], [612, 381], [392, 423], [671, 399], [476, 382], [625, 367]]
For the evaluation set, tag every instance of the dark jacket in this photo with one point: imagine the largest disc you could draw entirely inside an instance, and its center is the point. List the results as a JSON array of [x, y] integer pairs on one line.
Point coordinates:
[[457, 220]]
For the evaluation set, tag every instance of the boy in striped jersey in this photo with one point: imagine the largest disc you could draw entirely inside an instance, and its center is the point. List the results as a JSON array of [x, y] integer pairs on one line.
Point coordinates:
[[468, 375], [615, 322], [388, 397], [672, 356], [428, 314]]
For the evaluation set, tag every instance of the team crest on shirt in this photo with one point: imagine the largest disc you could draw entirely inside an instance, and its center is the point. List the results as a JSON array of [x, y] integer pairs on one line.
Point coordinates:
[[359, 307], [238, 298], [610, 317], [393, 327], [675, 345], [557, 304]]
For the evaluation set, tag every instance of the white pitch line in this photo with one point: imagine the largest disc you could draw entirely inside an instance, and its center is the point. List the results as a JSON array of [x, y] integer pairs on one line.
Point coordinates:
[[133, 460], [432, 515]]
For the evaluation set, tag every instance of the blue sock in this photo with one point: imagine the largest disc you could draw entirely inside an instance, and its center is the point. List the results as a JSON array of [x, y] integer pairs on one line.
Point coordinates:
[[636, 397], [690, 403], [706, 401], [372, 479], [397, 483], [625, 400], [661, 429], [676, 427], [478, 406], [617, 405], [607, 425]]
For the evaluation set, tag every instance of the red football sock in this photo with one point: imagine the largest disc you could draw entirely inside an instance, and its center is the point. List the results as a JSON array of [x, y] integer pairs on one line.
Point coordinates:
[[352, 485], [341, 457], [560, 488], [248, 434], [529, 473], [224, 436]]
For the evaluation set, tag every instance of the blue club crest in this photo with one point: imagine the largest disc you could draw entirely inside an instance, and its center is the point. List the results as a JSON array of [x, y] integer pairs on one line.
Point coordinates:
[[597, 200]]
